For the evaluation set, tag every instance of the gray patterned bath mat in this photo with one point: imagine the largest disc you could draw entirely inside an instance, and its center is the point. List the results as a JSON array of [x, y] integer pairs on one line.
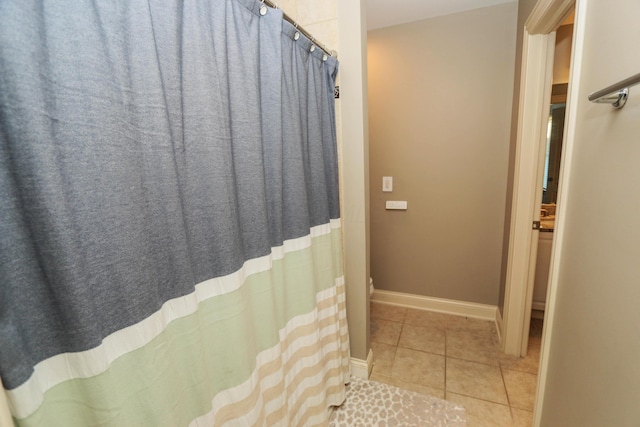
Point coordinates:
[[369, 403]]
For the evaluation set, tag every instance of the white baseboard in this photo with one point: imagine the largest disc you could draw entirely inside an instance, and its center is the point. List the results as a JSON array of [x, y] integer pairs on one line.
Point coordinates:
[[362, 368], [538, 305], [499, 325], [440, 305]]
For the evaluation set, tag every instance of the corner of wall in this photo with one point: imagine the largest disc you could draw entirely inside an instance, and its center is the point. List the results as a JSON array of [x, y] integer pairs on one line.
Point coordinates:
[[354, 155], [524, 10], [362, 368]]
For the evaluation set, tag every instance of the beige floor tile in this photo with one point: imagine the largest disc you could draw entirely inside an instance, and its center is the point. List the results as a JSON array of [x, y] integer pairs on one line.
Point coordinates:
[[408, 350], [383, 355], [535, 344], [475, 380], [521, 389], [481, 413], [388, 312], [408, 386], [418, 367], [522, 418], [426, 318], [423, 338], [459, 323], [473, 346], [385, 331], [529, 364]]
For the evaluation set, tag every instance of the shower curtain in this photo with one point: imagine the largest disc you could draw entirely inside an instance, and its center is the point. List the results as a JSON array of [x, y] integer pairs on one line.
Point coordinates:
[[169, 220]]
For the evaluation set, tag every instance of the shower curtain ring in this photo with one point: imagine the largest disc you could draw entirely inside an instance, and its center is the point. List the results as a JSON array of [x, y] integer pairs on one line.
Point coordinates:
[[296, 35], [263, 8]]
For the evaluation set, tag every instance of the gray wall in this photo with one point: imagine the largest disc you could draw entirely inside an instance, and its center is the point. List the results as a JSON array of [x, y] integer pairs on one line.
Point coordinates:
[[440, 96], [352, 120], [524, 9]]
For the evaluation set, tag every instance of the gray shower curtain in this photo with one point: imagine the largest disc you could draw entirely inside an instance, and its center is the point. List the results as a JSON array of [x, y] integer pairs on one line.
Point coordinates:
[[169, 220]]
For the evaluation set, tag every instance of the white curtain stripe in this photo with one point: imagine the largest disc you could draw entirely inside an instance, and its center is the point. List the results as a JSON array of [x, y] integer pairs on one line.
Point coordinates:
[[25, 399]]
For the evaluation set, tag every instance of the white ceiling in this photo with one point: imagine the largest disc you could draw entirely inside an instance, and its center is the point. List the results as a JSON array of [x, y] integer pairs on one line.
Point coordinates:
[[384, 13]]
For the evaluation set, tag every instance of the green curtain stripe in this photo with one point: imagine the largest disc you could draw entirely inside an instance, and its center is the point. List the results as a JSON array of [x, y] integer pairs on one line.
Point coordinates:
[[221, 339]]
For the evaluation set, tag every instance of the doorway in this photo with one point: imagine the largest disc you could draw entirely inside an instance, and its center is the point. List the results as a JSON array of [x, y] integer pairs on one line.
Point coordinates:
[[551, 163], [535, 98]]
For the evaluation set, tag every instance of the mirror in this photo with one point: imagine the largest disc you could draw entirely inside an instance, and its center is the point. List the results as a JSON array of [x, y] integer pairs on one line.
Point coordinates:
[[555, 131]]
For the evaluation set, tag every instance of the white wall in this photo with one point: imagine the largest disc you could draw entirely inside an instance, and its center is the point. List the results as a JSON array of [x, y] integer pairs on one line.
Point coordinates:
[[319, 17], [593, 361]]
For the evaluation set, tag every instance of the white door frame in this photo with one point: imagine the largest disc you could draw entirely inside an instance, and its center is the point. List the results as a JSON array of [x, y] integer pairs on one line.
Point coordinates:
[[535, 92]]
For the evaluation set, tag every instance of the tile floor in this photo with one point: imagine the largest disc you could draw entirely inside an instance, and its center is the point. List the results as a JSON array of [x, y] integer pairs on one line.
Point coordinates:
[[457, 359]]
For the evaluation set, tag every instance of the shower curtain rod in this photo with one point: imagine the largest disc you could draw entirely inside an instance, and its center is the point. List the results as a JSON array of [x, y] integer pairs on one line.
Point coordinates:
[[274, 5]]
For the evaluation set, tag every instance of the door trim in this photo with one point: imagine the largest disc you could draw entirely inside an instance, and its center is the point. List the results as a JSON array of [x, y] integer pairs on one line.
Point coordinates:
[[537, 63], [565, 173], [537, 67]]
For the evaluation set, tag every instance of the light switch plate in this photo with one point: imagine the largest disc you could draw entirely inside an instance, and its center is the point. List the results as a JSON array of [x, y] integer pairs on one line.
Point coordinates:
[[396, 205], [387, 184]]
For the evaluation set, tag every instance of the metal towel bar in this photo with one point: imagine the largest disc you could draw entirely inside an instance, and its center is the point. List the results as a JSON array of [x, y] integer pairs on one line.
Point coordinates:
[[615, 94]]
